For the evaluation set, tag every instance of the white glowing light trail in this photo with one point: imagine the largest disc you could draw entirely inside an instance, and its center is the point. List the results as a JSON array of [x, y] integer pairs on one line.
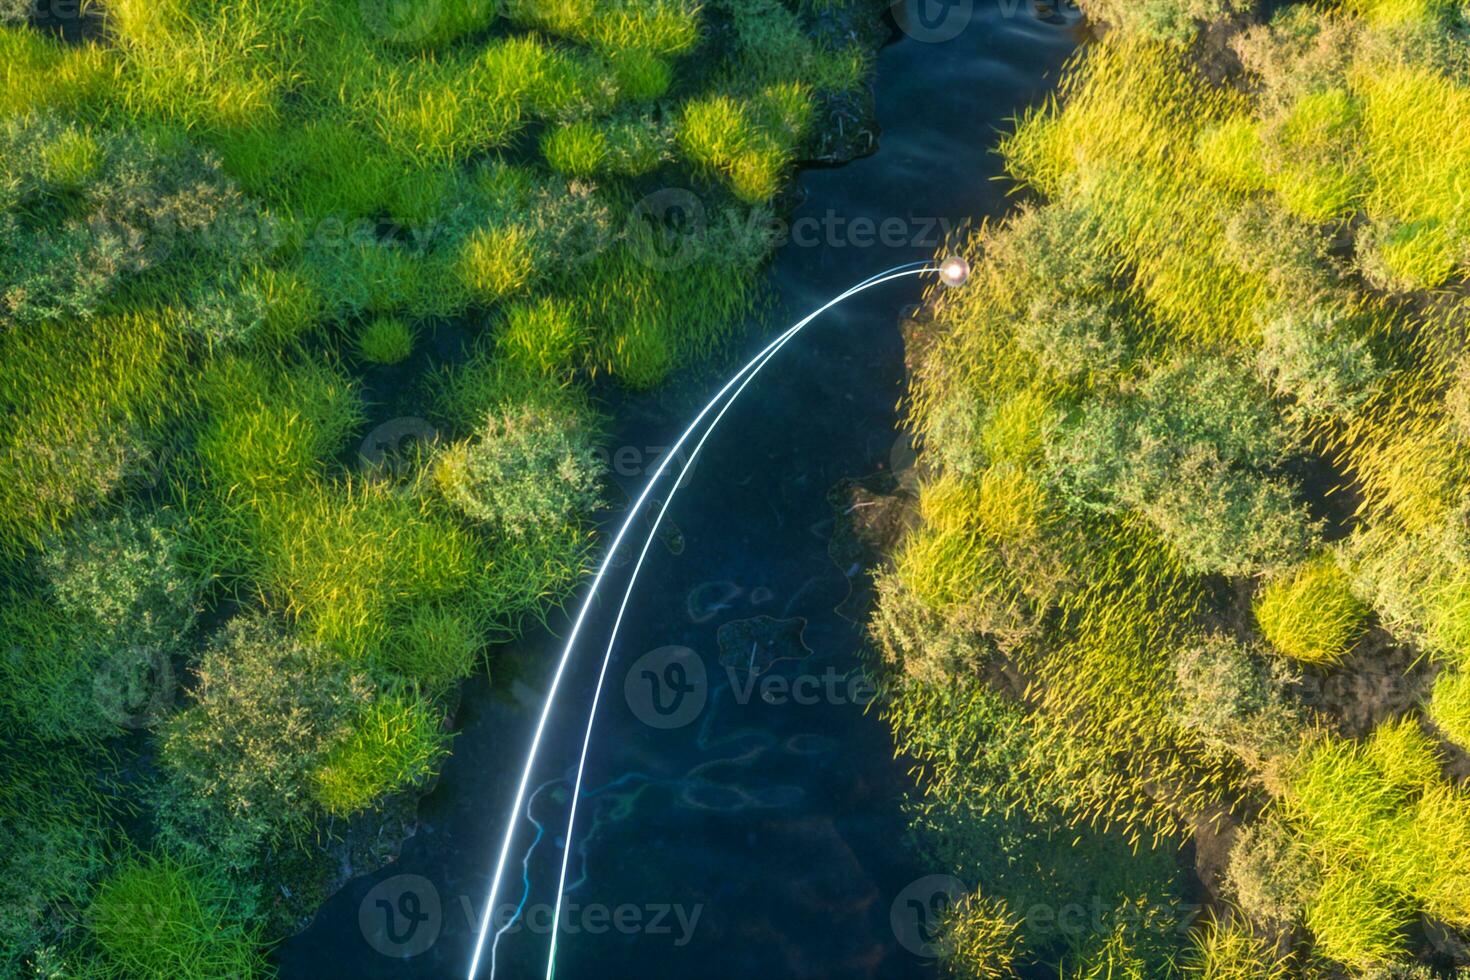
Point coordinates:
[[747, 373]]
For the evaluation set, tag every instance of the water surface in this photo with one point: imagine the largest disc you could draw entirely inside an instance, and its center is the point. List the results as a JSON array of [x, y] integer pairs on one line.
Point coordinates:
[[763, 839]]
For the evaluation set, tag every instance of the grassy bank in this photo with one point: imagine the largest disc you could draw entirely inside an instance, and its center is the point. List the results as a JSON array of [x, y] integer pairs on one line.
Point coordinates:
[[1196, 468], [300, 308]]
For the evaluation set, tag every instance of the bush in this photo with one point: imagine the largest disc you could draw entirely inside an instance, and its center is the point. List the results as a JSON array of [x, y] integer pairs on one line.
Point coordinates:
[[1450, 707], [1165, 20], [124, 578], [1270, 873], [101, 210], [156, 918], [241, 756], [1311, 615], [385, 340], [528, 471], [1190, 451], [396, 743], [1319, 359], [1235, 700]]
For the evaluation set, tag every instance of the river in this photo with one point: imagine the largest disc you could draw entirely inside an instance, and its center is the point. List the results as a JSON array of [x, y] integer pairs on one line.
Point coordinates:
[[762, 835]]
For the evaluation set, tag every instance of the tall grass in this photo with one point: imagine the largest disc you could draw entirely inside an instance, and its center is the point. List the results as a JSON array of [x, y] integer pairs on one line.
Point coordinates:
[[154, 918]]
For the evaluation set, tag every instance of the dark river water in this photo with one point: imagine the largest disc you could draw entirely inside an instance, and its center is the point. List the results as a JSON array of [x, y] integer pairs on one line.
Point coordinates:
[[754, 831]]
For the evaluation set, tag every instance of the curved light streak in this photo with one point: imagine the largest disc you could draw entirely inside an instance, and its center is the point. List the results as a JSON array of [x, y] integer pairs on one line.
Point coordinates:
[[747, 372]]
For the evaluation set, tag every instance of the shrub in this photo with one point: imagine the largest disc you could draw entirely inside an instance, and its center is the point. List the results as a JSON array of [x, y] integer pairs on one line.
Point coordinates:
[[396, 743], [124, 577], [528, 470], [1270, 873], [241, 756], [385, 340], [1319, 359], [1166, 20], [1450, 707], [1235, 700], [155, 917], [1311, 615], [980, 939], [148, 205], [1190, 452]]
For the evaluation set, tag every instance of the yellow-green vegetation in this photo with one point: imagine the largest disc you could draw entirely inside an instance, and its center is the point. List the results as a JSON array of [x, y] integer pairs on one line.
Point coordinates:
[[385, 340], [1450, 707], [247, 247], [1197, 429], [1311, 615]]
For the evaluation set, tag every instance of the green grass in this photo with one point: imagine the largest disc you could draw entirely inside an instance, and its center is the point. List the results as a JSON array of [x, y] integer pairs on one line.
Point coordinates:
[[155, 918], [396, 744], [87, 404], [385, 340], [578, 149], [1311, 614], [1450, 707], [1228, 951]]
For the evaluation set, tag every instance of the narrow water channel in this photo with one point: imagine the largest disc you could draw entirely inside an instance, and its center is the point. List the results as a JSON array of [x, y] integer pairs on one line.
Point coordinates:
[[763, 837]]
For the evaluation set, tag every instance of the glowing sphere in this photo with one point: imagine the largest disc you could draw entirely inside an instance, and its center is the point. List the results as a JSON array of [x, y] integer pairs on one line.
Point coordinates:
[[953, 271]]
